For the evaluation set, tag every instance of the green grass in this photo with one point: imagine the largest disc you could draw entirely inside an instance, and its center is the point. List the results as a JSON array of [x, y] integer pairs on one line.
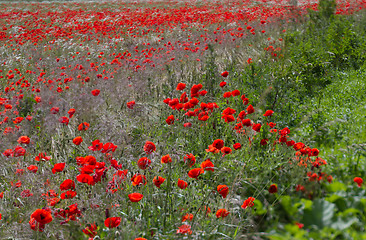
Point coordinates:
[[338, 124]]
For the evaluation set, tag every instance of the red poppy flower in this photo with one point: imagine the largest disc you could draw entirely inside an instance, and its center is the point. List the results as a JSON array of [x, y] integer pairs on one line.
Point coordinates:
[[91, 230], [264, 141], [19, 171], [167, 100], [225, 74], [237, 146], [300, 225], [68, 195], [138, 179], [300, 188], [170, 120], [257, 127], [58, 167], [194, 173], [158, 181], [173, 103], [96, 145], [226, 151], [358, 180], [228, 111], [95, 92], [182, 184], [181, 86], [112, 222], [314, 152], [272, 188], [184, 229], [64, 120], [91, 160], [42, 157], [248, 203], [26, 193], [222, 213], [268, 113], [212, 149], [222, 84], [53, 201], [33, 168], [298, 146], [227, 95], [8, 153], [140, 238], [54, 110], [166, 159], [131, 104], [235, 93], [194, 101], [228, 118], [187, 125], [143, 163], [149, 147], [135, 197], [36, 226], [218, 144], [71, 112], [67, 184], [250, 109], [42, 216], [203, 116], [247, 122], [223, 190], [77, 140], [83, 126], [207, 165], [194, 90], [17, 184], [188, 216], [87, 169], [24, 139], [285, 131], [85, 178], [109, 147], [189, 159]]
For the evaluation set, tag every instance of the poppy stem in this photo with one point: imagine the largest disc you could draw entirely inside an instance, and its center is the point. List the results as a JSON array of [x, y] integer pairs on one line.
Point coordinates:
[[167, 195]]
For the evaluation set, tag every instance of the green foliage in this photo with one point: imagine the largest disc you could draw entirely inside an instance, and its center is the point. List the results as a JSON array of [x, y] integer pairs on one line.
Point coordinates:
[[25, 106], [326, 10], [339, 216]]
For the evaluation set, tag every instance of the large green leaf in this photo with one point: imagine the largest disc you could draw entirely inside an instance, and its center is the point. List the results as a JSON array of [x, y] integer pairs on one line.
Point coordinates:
[[320, 215], [342, 223]]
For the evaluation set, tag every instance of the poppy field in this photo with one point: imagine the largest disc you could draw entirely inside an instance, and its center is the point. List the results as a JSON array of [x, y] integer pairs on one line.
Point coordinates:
[[183, 120]]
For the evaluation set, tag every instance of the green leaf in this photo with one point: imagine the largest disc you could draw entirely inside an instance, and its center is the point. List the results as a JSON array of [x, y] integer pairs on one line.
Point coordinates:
[[258, 208], [336, 186], [307, 203], [342, 223], [340, 201], [288, 206], [320, 215]]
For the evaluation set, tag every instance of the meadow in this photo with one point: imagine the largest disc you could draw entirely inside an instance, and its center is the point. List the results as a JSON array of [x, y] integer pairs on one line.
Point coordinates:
[[183, 120]]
